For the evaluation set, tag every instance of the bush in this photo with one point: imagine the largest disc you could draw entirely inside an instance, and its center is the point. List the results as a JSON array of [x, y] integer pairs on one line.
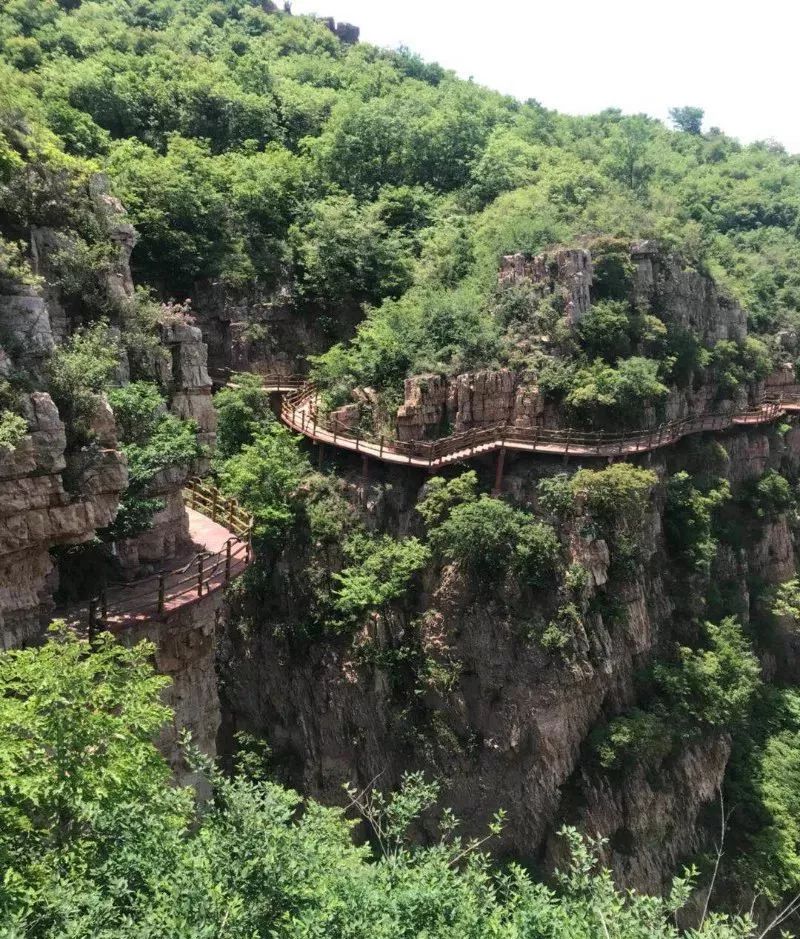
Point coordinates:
[[442, 495], [770, 495], [482, 535], [602, 395], [138, 408], [712, 687], [152, 440], [13, 428], [77, 372], [688, 517], [242, 410], [618, 496], [537, 554], [264, 477], [382, 572], [636, 736], [607, 331]]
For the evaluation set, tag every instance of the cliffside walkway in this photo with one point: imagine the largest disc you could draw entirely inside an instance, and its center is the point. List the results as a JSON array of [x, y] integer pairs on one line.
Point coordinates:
[[300, 411], [220, 528]]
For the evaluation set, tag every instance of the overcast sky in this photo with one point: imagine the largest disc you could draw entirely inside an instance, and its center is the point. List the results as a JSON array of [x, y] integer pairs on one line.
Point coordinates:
[[738, 60]]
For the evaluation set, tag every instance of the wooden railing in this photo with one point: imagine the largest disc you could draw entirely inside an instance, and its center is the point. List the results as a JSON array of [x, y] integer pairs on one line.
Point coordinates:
[[160, 595], [206, 498], [300, 411]]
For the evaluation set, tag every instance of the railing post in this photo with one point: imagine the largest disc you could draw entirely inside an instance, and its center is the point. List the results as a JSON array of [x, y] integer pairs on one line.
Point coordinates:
[[228, 561], [161, 593], [230, 513], [103, 604], [193, 495], [214, 496], [248, 545], [380, 451], [200, 576]]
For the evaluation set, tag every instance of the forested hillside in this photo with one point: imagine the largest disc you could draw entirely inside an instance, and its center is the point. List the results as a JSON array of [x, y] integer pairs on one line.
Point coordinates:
[[587, 647]]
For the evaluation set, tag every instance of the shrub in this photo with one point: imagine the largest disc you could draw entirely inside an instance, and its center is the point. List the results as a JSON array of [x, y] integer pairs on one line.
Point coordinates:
[[603, 395], [482, 535], [607, 331], [712, 687], [636, 736], [264, 476], [78, 371], [138, 408], [556, 495], [242, 410], [152, 440], [688, 517], [536, 554], [770, 495], [13, 428], [442, 495], [617, 496], [381, 573]]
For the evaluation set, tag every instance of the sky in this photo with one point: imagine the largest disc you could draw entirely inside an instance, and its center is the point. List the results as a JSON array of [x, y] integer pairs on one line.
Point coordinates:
[[737, 60]]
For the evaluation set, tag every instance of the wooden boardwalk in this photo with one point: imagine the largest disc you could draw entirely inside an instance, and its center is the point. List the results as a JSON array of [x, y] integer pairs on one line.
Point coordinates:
[[301, 412], [220, 534]]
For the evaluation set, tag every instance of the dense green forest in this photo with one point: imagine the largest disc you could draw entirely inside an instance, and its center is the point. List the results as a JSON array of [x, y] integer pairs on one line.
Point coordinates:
[[253, 148]]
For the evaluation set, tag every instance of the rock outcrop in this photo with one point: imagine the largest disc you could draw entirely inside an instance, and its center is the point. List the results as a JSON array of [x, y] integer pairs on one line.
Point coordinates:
[[511, 728], [37, 512], [568, 271], [435, 405]]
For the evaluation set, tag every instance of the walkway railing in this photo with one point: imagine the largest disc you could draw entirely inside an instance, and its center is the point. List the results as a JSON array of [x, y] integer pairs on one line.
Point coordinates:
[[160, 595], [300, 411]]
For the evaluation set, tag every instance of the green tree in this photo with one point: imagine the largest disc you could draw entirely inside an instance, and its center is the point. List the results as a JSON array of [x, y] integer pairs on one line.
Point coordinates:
[[687, 119]]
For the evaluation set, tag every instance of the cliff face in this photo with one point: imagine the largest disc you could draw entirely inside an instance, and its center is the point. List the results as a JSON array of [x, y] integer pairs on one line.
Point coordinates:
[[681, 298], [36, 512], [500, 720]]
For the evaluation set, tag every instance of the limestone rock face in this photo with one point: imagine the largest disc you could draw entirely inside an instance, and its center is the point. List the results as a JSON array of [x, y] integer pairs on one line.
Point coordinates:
[[25, 327], [685, 297], [37, 512], [186, 374], [568, 269]]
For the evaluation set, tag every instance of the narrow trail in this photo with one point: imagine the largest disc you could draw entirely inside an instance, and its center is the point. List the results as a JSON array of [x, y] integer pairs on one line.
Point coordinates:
[[220, 536], [301, 412]]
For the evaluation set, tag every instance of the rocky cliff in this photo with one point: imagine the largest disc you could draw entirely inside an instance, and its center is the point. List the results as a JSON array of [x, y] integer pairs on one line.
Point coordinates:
[[503, 721], [681, 298]]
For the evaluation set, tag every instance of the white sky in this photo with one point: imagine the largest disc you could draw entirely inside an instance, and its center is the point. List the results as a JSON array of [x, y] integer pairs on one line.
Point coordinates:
[[737, 59]]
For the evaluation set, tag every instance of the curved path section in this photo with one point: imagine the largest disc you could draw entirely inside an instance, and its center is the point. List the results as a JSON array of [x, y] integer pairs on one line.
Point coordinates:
[[300, 411], [221, 531]]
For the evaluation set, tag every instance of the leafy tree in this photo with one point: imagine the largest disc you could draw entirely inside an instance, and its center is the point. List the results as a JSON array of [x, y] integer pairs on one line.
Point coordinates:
[[713, 686], [13, 429], [264, 477], [381, 571], [687, 119], [442, 495], [78, 371], [96, 841], [152, 440], [688, 518], [243, 409]]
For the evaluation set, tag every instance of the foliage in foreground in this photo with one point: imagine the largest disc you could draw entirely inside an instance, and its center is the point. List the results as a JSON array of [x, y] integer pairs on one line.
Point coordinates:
[[94, 841]]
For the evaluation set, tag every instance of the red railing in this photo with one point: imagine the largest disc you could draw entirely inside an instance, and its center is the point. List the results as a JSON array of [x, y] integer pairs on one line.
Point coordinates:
[[160, 595], [300, 411]]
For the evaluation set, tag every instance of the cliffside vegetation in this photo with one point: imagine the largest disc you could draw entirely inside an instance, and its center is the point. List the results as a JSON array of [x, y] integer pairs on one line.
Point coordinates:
[[261, 156], [94, 841]]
